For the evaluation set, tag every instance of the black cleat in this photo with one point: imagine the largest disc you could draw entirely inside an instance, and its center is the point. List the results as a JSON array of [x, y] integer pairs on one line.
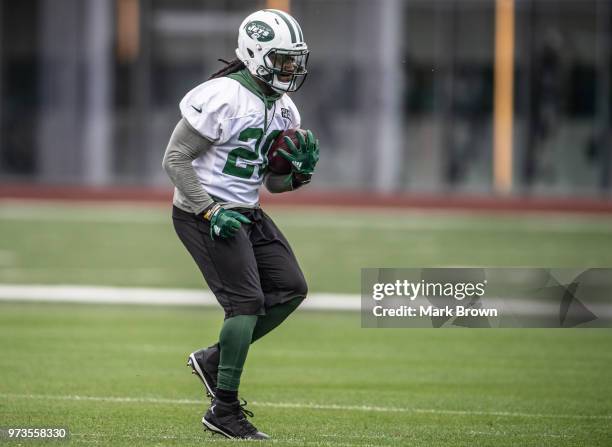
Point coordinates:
[[230, 420], [205, 364]]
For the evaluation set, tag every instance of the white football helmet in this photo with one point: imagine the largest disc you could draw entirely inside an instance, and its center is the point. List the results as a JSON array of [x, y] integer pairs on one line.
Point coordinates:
[[271, 45]]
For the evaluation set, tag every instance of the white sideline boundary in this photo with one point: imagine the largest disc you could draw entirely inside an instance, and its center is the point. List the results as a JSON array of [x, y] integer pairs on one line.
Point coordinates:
[[144, 296], [89, 294], [304, 405]]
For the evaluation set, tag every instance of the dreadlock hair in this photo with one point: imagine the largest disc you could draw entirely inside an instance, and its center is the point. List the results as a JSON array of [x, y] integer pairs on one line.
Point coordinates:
[[230, 67]]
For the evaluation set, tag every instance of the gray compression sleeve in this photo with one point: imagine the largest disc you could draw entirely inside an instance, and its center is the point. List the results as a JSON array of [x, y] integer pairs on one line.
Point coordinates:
[[185, 145], [278, 182]]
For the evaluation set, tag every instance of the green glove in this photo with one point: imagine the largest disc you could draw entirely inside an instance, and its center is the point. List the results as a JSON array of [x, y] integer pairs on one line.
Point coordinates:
[[224, 223], [304, 158]]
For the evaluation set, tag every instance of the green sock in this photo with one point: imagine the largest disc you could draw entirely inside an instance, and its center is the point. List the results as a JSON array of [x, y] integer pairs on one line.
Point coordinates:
[[236, 335], [274, 316], [234, 341]]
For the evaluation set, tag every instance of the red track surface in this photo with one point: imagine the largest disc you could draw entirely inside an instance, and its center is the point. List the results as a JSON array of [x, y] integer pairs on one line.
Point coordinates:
[[320, 198]]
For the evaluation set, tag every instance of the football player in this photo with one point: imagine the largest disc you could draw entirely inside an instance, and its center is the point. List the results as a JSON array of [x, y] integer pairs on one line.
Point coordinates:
[[216, 158]]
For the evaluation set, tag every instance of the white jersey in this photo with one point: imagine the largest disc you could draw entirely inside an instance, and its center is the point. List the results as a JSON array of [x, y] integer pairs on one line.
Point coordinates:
[[232, 117]]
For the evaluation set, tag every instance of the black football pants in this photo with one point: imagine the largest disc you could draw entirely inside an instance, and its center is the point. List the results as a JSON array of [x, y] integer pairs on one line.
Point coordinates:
[[248, 273]]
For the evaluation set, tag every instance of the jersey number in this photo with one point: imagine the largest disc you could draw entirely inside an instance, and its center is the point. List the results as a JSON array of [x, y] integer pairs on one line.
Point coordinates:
[[252, 133]]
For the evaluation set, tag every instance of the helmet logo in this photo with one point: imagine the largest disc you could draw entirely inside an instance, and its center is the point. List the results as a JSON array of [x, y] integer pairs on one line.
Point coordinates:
[[259, 31]]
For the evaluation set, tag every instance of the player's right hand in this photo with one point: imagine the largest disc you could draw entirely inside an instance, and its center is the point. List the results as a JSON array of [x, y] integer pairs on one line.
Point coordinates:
[[225, 223]]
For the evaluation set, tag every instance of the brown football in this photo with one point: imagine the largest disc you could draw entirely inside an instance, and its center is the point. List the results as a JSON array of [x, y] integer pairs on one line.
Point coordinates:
[[276, 163]]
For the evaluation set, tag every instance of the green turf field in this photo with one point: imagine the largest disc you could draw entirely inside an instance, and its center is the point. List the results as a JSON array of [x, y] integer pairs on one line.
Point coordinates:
[[116, 375], [136, 246]]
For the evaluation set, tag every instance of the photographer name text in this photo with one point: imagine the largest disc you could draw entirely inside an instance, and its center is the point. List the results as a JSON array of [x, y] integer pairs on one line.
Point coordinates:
[[432, 311]]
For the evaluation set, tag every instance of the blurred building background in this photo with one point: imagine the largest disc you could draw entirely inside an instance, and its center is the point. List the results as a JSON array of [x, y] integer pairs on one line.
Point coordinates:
[[402, 93]]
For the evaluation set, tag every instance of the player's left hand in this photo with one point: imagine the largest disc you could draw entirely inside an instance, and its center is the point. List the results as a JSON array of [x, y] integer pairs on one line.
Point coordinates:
[[303, 158]]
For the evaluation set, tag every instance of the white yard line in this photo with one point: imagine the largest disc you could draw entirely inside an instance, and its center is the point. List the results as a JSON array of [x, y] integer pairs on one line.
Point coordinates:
[[306, 405], [132, 295], [89, 294]]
